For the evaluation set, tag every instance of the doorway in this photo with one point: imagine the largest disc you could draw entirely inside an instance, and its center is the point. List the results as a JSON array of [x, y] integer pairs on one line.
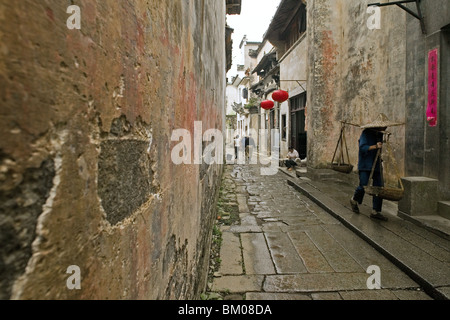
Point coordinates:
[[298, 137]]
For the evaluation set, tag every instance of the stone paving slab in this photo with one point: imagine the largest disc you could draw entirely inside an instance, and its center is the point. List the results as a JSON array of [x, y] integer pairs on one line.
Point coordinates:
[[241, 189], [238, 284], [364, 254], [242, 203], [445, 290], [276, 296], [256, 255], [316, 282], [411, 295], [273, 227], [368, 295], [244, 229], [284, 255], [326, 296], [267, 214], [313, 259], [335, 254], [249, 220], [385, 295], [230, 253], [436, 223], [317, 211], [427, 244], [301, 220]]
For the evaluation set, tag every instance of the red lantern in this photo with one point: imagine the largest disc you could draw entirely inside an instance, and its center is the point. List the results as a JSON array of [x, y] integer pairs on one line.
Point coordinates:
[[280, 96], [267, 105]]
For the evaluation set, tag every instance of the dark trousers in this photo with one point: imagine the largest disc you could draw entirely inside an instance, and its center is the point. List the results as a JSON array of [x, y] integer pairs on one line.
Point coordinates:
[[290, 163], [248, 152], [364, 176]]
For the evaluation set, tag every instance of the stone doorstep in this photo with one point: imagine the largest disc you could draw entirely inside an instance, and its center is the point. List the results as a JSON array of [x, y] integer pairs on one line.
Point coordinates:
[[286, 171], [301, 172]]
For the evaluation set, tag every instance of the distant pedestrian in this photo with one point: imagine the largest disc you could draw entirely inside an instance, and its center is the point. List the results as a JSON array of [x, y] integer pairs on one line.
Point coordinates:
[[249, 147], [236, 146], [370, 142], [292, 156]]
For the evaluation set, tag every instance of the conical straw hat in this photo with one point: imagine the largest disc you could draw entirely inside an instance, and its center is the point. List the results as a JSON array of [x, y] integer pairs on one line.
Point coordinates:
[[381, 122]]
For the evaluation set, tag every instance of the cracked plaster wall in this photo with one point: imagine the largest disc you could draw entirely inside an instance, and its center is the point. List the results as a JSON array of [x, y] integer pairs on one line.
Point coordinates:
[[85, 169], [354, 74]]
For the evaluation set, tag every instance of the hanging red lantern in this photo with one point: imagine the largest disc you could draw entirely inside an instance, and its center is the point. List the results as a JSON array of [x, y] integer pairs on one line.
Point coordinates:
[[267, 105], [280, 96]]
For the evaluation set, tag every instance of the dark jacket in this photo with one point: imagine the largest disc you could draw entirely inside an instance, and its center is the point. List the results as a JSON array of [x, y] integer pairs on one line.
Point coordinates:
[[249, 142], [369, 137]]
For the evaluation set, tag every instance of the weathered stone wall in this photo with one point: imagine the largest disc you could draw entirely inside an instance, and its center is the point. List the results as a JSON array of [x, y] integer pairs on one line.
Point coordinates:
[[428, 148], [354, 74], [85, 167]]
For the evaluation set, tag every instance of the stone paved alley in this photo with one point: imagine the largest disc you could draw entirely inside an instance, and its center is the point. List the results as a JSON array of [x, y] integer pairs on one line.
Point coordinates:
[[285, 247], [116, 116]]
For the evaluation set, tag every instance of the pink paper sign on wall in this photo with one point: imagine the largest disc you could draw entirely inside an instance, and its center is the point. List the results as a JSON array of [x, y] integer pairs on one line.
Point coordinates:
[[432, 87]]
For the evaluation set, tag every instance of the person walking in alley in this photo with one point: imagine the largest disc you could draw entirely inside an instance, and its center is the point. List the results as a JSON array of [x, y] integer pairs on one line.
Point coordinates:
[[370, 142], [249, 144], [236, 146], [292, 156]]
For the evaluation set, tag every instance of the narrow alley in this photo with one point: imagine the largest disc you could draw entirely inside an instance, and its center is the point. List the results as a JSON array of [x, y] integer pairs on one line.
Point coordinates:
[[283, 246], [120, 122]]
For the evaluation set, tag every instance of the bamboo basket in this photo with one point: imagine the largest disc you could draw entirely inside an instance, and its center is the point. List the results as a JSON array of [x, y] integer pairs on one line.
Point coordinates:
[[387, 193], [340, 165], [392, 194]]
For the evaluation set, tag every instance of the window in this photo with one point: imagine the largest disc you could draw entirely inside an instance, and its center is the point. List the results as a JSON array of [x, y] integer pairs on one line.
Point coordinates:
[[245, 94], [296, 28], [283, 127]]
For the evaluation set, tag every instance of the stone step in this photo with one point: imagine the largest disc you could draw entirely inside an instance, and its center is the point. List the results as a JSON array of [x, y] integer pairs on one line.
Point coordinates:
[[331, 175], [444, 209]]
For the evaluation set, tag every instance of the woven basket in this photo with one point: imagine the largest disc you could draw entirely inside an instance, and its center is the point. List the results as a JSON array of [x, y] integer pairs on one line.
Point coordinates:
[[344, 168], [392, 194]]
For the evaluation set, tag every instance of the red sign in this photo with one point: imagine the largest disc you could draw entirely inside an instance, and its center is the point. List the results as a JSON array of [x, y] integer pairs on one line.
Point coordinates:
[[432, 87]]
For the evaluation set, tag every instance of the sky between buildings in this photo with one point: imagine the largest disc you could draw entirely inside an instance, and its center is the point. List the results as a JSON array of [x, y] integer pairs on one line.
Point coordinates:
[[253, 21]]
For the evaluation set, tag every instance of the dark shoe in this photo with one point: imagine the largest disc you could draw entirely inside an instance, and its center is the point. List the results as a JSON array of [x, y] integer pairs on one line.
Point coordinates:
[[378, 216], [354, 206]]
